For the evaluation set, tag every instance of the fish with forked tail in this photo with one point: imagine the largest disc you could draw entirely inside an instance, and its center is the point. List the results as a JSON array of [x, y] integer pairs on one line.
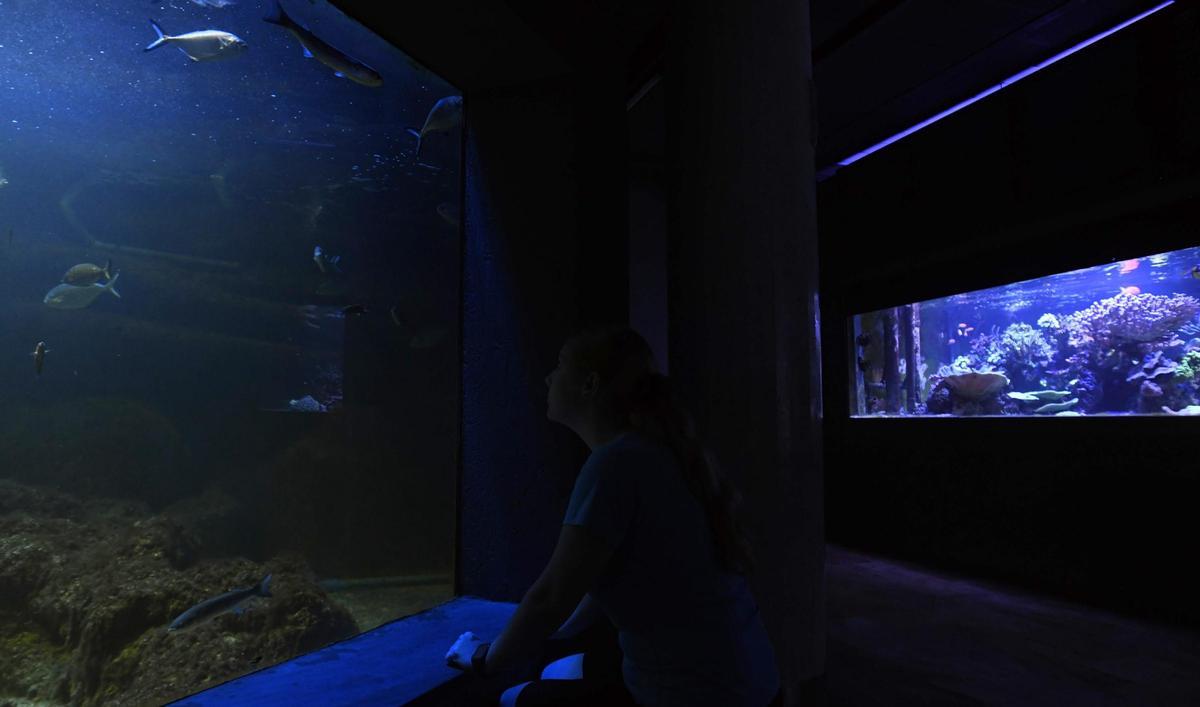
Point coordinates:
[[66, 296], [221, 602], [201, 45], [342, 64]]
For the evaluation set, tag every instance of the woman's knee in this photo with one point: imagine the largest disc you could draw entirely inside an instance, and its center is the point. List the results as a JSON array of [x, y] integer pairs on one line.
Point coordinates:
[[509, 697], [569, 668]]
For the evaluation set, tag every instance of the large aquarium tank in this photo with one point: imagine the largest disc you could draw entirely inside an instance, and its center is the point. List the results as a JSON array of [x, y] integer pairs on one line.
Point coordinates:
[[229, 306], [1120, 338]]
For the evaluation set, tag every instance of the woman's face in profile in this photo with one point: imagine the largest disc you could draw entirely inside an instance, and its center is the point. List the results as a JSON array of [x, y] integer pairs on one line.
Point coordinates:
[[562, 384]]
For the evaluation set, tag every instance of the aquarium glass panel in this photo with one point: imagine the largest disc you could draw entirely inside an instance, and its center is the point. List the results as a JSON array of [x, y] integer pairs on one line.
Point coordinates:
[[229, 297], [1116, 339]]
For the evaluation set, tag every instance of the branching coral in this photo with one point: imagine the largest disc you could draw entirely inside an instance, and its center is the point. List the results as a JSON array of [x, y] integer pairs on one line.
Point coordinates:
[[1125, 318], [1021, 351]]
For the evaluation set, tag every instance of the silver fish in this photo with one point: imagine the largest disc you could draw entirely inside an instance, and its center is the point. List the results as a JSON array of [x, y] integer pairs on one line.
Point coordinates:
[[343, 65], [445, 115], [75, 297], [201, 45], [220, 603]]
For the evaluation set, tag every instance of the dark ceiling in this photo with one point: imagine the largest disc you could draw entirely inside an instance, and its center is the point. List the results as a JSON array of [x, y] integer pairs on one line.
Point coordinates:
[[879, 65]]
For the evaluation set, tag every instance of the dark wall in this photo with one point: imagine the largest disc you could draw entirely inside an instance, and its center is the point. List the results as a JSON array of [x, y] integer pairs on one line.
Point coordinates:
[[545, 253], [1091, 160]]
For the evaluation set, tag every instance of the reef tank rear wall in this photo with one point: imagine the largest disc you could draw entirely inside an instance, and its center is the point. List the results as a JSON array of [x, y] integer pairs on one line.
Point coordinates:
[[1090, 162]]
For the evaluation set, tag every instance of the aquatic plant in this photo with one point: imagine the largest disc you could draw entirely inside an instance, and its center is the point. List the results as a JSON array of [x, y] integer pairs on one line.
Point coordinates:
[[1125, 318]]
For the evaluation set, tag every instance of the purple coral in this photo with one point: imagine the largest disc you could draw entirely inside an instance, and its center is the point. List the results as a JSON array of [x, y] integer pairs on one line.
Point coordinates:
[[1125, 318]]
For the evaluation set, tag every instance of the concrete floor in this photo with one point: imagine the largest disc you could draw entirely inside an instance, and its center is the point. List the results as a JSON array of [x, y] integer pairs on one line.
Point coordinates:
[[901, 635]]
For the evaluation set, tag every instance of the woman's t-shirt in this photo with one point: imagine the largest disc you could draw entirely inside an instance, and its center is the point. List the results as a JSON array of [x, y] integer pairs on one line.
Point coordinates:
[[690, 631]]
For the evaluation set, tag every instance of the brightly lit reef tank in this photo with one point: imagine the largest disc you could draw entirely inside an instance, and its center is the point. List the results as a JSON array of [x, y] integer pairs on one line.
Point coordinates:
[[229, 295], [1115, 339]]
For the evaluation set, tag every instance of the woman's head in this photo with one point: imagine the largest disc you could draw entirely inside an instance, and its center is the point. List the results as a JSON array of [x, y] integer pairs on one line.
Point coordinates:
[[600, 375], [607, 381]]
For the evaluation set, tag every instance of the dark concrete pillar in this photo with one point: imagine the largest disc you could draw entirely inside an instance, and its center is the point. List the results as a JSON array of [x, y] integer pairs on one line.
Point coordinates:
[[744, 345]]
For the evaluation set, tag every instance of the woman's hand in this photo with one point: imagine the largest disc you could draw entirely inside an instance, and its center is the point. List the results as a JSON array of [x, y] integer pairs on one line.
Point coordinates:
[[460, 654]]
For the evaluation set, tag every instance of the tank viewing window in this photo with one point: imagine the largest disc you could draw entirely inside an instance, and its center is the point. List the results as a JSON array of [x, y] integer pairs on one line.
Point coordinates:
[[1115, 339], [229, 305]]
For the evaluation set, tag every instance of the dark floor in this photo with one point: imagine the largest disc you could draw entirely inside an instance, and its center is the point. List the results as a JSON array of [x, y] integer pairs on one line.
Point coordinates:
[[902, 635]]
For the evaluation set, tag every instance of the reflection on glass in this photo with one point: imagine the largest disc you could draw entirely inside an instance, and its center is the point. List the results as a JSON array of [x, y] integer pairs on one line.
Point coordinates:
[[228, 303], [1116, 339]]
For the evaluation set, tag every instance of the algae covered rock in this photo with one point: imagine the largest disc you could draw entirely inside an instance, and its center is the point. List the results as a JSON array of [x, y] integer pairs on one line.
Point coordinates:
[[89, 589]]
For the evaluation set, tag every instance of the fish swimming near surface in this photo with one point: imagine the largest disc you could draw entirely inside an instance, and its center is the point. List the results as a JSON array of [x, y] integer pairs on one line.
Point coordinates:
[[66, 296], [218, 4], [201, 45], [445, 115], [343, 65], [87, 274], [1128, 266], [219, 603], [39, 356]]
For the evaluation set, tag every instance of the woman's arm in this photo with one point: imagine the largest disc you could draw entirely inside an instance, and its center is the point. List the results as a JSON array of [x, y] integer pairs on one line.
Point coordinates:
[[584, 616], [577, 562]]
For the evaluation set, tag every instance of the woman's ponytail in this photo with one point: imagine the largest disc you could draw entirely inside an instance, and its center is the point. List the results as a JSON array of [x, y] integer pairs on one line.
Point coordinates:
[[634, 388]]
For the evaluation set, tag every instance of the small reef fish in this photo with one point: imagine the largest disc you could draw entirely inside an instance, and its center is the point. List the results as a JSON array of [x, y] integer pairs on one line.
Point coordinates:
[[1194, 272], [201, 45], [1131, 290], [445, 115], [86, 274], [343, 65], [964, 329], [1128, 266], [3, 179], [325, 261], [39, 356], [221, 602], [66, 296], [951, 341], [306, 404]]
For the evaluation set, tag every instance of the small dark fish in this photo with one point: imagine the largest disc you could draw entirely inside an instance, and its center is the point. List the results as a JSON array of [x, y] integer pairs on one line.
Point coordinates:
[[863, 339], [354, 309], [862, 364], [221, 602], [343, 65], [39, 356]]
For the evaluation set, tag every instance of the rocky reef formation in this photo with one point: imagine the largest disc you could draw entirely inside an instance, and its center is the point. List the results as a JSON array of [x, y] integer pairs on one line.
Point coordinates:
[[87, 589]]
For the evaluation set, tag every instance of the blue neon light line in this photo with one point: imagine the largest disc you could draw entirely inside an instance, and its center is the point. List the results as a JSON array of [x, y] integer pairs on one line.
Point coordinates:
[[1003, 84]]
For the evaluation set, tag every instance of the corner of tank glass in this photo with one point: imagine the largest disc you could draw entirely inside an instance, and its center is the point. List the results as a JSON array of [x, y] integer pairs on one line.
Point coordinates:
[[1115, 339]]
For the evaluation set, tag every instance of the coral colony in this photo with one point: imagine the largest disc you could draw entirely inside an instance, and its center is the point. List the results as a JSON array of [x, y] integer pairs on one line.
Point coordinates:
[[1130, 353]]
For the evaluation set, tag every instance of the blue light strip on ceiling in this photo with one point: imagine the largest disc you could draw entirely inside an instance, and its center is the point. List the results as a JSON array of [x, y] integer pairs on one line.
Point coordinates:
[[1003, 84]]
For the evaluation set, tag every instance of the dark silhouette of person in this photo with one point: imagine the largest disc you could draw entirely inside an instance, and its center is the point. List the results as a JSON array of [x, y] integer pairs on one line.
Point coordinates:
[[651, 540]]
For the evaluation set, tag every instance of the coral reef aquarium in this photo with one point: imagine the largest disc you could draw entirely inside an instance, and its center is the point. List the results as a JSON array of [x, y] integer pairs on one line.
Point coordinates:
[[1121, 338], [229, 296]]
